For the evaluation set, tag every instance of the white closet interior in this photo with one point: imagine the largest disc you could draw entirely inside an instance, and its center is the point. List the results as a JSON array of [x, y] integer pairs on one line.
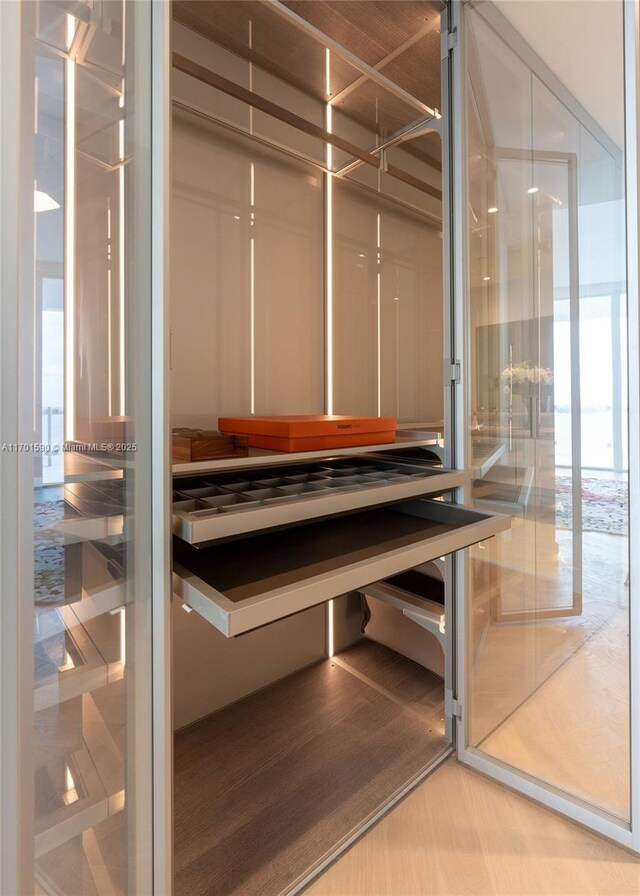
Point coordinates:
[[306, 261]]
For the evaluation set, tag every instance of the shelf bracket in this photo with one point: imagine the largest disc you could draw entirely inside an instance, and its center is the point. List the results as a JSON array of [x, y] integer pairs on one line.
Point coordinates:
[[428, 620]]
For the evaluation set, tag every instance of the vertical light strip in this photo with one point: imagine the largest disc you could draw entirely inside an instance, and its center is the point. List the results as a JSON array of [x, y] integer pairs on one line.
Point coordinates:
[[109, 311], [34, 311], [328, 236], [328, 275], [251, 76], [327, 74], [70, 238], [330, 629], [123, 636], [124, 33], [252, 321], [378, 315], [121, 253], [396, 299], [253, 326]]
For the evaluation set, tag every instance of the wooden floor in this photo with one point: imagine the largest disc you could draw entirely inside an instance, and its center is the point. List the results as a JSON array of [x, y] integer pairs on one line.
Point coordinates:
[[574, 731], [459, 834], [267, 787], [552, 697]]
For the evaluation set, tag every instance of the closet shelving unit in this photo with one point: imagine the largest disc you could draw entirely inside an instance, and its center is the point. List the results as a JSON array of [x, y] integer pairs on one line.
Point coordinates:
[[307, 224]]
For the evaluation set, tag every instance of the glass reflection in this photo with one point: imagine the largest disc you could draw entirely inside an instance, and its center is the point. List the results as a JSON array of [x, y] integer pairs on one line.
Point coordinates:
[[89, 613], [549, 607]]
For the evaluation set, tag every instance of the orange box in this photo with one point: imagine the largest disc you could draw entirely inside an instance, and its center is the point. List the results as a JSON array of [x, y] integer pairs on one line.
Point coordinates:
[[306, 432]]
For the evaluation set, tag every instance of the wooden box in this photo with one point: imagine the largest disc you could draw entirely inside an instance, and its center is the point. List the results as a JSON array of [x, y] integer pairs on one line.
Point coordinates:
[[191, 445]]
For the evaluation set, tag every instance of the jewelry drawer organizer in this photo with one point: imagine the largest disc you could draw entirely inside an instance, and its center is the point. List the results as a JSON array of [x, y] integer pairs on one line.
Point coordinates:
[[261, 542]]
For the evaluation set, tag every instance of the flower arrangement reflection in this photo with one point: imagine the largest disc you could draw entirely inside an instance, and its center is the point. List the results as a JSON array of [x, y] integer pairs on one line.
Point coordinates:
[[523, 378], [526, 379]]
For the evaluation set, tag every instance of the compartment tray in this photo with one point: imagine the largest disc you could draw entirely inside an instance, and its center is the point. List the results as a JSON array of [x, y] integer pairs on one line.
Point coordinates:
[[372, 482], [252, 582]]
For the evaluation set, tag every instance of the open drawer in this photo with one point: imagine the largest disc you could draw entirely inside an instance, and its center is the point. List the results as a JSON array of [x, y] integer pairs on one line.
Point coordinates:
[[248, 583], [221, 505]]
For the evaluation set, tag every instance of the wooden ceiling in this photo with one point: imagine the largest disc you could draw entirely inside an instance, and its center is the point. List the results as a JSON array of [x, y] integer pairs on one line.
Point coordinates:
[[371, 29], [374, 29]]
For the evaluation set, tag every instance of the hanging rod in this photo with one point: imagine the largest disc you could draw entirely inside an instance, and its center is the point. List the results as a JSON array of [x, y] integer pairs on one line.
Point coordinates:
[[212, 79], [188, 67], [257, 138], [398, 174], [353, 60], [429, 124]]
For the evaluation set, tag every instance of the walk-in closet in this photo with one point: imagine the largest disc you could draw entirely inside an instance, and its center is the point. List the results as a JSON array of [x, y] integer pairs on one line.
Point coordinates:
[[306, 278]]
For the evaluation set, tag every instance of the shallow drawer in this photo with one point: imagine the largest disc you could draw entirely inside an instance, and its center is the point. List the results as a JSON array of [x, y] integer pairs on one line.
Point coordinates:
[[223, 506], [242, 585]]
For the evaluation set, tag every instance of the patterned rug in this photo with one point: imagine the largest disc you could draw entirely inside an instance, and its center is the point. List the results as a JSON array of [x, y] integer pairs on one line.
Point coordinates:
[[48, 573], [604, 504]]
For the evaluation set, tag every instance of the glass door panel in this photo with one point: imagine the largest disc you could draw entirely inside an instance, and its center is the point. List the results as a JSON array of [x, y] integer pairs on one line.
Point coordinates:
[[84, 386], [547, 658]]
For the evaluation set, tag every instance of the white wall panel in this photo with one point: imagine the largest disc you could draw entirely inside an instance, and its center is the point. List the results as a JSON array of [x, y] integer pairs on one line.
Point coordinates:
[[387, 300], [219, 297]]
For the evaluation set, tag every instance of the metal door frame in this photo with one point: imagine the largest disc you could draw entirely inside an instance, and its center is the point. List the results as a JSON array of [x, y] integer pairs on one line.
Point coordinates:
[[16, 477], [627, 834]]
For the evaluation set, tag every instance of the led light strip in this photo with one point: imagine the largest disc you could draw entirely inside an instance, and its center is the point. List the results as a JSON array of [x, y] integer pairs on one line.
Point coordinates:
[[378, 314], [329, 239], [252, 321], [109, 311], [70, 236], [328, 208], [121, 252], [330, 629]]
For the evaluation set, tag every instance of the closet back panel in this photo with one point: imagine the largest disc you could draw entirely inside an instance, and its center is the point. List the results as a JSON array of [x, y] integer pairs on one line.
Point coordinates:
[[247, 279], [387, 309]]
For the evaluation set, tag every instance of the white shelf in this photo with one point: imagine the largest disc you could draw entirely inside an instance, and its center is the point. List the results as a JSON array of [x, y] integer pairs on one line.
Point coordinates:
[[259, 457], [99, 776], [91, 672], [97, 528], [82, 467], [486, 453]]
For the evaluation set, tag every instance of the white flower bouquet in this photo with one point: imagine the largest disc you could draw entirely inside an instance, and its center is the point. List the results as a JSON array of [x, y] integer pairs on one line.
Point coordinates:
[[524, 376]]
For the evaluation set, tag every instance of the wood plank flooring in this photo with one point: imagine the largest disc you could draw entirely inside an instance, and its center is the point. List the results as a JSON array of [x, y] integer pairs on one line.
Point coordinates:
[[574, 730], [552, 697], [267, 787], [459, 834], [400, 678]]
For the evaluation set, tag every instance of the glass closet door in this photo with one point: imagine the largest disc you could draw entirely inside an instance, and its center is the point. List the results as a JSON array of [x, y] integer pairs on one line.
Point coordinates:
[[546, 660], [527, 398], [76, 430]]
